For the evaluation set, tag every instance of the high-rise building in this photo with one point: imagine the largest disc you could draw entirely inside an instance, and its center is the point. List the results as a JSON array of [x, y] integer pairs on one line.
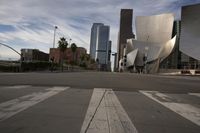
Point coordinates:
[[125, 30], [93, 39], [102, 44], [109, 50]]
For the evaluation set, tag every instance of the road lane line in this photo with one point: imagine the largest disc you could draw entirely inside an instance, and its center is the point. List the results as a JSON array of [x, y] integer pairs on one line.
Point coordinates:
[[12, 107], [108, 117], [187, 111]]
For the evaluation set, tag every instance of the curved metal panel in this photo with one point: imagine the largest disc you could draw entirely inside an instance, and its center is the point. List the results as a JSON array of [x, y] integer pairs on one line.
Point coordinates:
[[154, 29], [131, 58], [167, 48], [152, 52], [153, 42], [190, 31], [155, 50], [129, 46]]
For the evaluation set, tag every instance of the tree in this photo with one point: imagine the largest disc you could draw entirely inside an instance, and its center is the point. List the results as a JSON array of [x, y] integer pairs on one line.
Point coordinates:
[[62, 45], [73, 48], [82, 57]]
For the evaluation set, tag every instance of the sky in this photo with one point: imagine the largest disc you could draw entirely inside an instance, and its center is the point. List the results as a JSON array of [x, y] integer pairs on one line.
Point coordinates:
[[30, 23]]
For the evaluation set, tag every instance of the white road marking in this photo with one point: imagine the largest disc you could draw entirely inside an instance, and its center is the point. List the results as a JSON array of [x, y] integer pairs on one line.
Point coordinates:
[[92, 109], [105, 114], [12, 107], [18, 87], [188, 111], [195, 94]]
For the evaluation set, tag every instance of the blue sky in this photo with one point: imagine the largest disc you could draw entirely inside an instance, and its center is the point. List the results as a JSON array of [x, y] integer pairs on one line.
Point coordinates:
[[30, 23]]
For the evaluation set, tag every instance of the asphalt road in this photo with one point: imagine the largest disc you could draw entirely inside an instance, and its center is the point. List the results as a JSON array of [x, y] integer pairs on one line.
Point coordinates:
[[98, 102], [116, 81]]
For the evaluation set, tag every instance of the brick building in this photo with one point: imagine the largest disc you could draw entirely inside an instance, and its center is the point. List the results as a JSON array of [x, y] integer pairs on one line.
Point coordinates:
[[56, 54]]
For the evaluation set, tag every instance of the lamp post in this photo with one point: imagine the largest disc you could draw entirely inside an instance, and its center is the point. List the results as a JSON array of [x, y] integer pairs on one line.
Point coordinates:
[[146, 55], [115, 60], [54, 36], [70, 41]]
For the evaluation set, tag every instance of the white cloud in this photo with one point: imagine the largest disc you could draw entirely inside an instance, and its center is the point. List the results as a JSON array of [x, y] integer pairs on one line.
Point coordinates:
[[34, 20]]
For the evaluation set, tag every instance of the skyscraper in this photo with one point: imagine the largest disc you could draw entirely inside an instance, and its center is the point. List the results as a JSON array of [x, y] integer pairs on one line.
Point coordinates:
[[125, 30], [102, 44], [109, 50], [93, 39]]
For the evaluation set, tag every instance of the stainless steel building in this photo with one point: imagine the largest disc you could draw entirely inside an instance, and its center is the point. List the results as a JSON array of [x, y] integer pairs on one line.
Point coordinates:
[[153, 43], [190, 35], [173, 61]]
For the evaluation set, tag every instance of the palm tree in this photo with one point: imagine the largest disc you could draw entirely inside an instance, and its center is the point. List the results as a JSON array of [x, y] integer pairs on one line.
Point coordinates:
[[73, 48], [82, 58], [62, 45]]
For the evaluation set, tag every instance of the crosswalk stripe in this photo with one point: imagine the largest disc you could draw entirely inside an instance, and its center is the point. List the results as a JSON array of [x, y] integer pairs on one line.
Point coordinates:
[[92, 109], [187, 111], [105, 114], [119, 111], [18, 87], [12, 107], [195, 94]]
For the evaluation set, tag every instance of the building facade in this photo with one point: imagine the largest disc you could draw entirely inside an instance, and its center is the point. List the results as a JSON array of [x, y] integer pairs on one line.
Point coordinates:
[[109, 50], [100, 46], [190, 37], [56, 55], [125, 30], [153, 44], [173, 61], [93, 39], [32, 55], [185, 55]]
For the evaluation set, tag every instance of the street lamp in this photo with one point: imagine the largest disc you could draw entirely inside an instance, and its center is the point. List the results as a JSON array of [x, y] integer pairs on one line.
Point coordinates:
[[115, 60], [146, 55], [54, 36], [70, 41]]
